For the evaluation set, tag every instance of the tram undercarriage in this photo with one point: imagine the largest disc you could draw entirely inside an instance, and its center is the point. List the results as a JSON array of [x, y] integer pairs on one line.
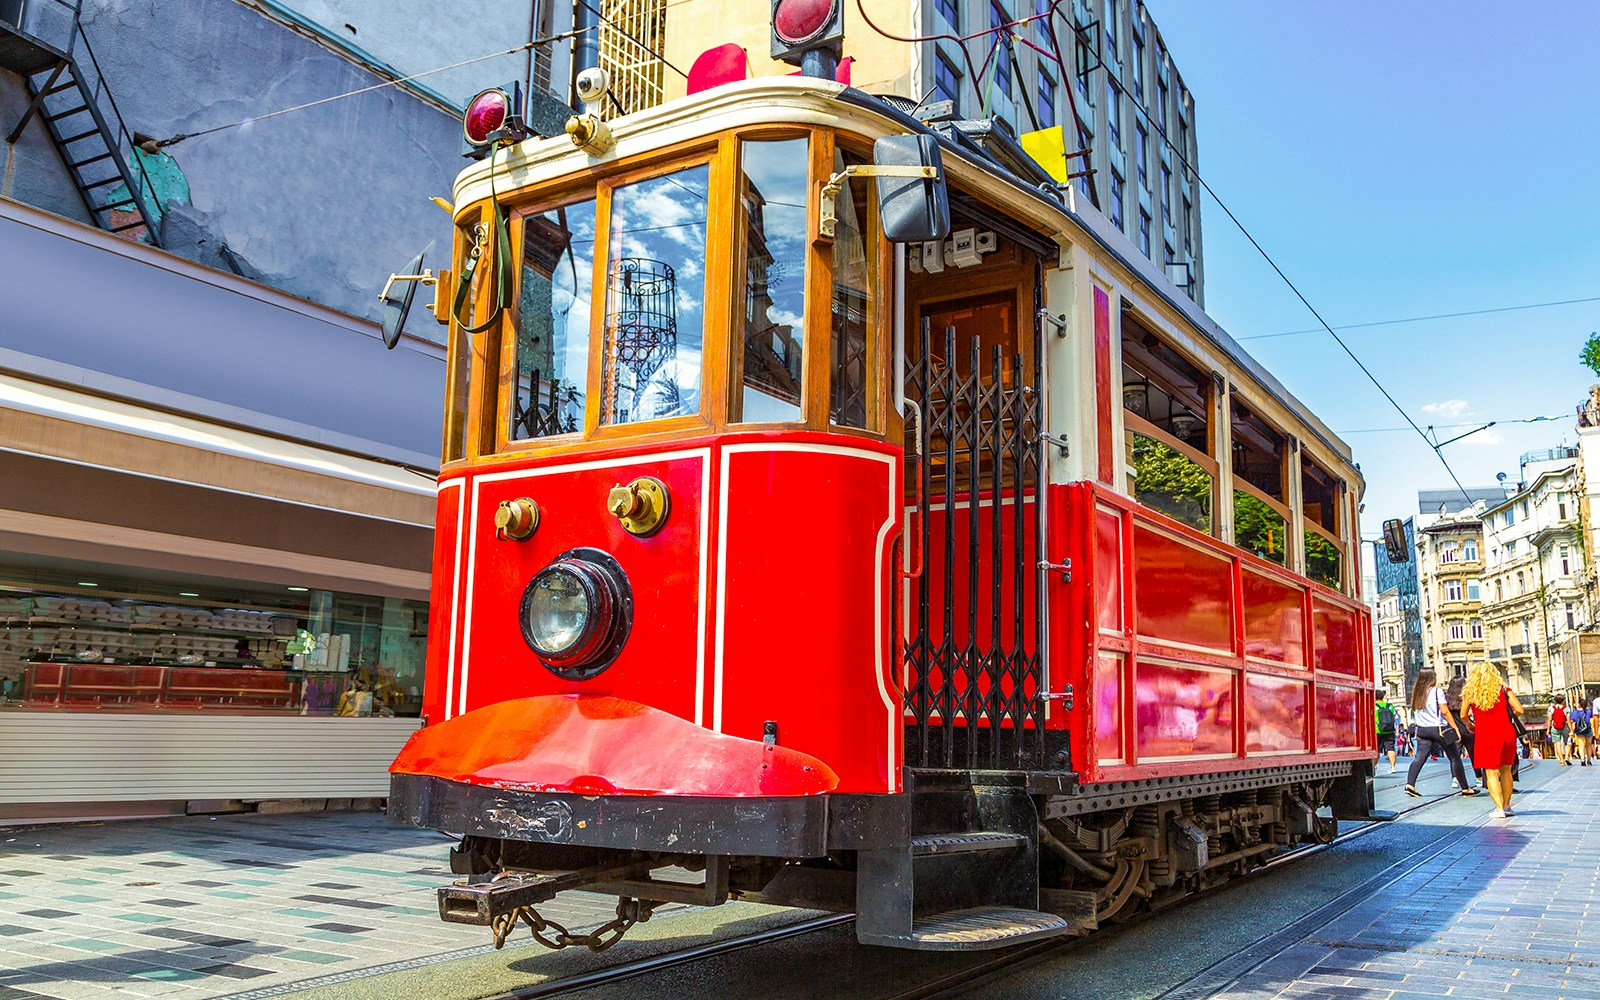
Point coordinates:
[[950, 864]]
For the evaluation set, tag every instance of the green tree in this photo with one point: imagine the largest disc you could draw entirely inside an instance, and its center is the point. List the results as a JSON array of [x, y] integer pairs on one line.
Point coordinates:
[[1171, 482], [1590, 355], [1258, 528]]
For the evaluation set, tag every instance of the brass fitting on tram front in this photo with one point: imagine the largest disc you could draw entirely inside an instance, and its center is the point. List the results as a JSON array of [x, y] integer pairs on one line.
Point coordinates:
[[516, 519], [641, 505]]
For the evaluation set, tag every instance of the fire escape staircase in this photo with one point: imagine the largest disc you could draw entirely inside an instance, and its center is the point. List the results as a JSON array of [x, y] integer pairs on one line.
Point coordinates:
[[68, 93]]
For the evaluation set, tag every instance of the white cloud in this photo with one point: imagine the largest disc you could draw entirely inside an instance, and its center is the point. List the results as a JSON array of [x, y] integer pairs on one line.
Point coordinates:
[[1448, 408]]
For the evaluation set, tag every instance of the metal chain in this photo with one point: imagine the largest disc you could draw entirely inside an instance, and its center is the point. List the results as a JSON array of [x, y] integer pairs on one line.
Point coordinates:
[[552, 935]]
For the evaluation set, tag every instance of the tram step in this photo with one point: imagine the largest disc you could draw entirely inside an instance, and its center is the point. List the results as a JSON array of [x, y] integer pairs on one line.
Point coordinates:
[[984, 927], [962, 843]]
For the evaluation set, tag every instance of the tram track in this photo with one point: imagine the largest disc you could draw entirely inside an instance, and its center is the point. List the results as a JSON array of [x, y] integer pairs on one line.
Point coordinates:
[[1004, 962]]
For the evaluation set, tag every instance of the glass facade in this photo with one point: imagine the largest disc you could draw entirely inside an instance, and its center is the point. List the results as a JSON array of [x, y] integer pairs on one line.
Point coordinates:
[[1402, 576], [93, 640]]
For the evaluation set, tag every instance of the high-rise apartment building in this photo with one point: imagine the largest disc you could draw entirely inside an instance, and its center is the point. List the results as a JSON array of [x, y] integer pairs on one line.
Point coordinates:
[[1115, 69], [1449, 581]]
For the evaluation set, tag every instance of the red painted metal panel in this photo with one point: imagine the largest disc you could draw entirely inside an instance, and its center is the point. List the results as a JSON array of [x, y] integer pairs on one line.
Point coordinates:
[[1107, 707], [805, 626], [443, 640], [1274, 621], [1182, 711], [1108, 569], [1109, 454], [660, 664], [1275, 714], [1338, 712], [604, 746], [1335, 634], [1183, 593]]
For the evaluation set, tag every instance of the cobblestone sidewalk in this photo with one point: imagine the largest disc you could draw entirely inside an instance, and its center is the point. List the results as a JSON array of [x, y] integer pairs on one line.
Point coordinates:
[[1510, 908], [203, 907]]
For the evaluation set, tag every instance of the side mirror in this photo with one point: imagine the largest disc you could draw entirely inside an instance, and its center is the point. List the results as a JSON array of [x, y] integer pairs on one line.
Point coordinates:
[[913, 207], [1394, 540], [397, 305]]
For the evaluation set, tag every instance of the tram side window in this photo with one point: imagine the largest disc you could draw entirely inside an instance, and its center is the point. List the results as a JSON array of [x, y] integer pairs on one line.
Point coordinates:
[[1319, 494], [773, 189], [854, 298], [1260, 503], [552, 345], [1166, 400], [655, 287]]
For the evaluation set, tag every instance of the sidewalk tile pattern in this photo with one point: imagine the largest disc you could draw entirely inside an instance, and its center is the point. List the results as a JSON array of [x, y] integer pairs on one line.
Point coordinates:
[[203, 907], [1501, 912]]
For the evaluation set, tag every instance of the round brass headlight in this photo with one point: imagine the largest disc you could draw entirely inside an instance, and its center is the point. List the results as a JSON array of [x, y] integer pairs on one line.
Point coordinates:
[[576, 613]]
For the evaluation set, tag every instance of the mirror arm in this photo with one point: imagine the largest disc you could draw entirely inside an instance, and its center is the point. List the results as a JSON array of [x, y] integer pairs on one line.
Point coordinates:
[[828, 217], [426, 277]]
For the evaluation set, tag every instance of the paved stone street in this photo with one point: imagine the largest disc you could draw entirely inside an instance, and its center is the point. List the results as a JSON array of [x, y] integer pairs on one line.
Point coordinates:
[[1507, 907], [202, 907]]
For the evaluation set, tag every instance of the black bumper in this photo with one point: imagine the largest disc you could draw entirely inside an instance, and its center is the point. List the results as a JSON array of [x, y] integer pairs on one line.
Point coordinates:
[[775, 826]]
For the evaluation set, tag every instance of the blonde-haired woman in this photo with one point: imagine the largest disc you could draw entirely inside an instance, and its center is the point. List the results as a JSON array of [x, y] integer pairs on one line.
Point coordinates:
[[1495, 744]]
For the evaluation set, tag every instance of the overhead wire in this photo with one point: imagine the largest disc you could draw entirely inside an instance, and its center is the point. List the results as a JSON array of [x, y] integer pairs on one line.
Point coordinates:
[[1424, 319], [1179, 153]]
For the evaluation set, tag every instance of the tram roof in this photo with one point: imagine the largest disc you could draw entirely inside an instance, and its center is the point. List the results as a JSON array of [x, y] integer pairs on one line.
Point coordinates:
[[825, 104]]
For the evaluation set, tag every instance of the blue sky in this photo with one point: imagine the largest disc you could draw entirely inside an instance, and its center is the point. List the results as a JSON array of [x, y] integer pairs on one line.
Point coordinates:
[[1401, 160]]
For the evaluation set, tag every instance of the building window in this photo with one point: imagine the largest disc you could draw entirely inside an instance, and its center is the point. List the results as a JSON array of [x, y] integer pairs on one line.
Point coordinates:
[[1458, 630], [1511, 516], [950, 11], [1111, 26], [1136, 69], [1452, 590], [1524, 511], [1161, 106], [1116, 198], [1002, 51], [1166, 196], [1144, 232], [1566, 560], [1499, 590], [1047, 100], [1113, 114], [1572, 616], [1522, 583], [1561, 511], [1082, 82], [1141, 154], [1476, 626], [1511, 550], [1188, 229], [1474, 592], [1469, 550], [1447, 552], [947, 83]]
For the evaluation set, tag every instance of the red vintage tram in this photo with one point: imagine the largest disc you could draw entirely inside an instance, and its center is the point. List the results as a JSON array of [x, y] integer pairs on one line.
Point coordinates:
[[831, 507]]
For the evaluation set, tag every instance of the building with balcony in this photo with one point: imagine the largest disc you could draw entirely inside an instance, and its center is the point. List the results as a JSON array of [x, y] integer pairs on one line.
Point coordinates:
[[1449, 581], [1534, 600], [1389, 626], [1138, 116]]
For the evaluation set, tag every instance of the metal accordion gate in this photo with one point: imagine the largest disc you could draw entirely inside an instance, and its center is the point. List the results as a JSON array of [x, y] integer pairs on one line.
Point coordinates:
[[973, 639]]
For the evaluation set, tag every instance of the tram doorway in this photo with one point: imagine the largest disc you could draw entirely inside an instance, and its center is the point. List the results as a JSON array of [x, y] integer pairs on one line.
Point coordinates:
[[972, 614]]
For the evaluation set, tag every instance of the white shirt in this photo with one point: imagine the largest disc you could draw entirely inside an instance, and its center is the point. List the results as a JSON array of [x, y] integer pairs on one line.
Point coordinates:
[[1430, 714]]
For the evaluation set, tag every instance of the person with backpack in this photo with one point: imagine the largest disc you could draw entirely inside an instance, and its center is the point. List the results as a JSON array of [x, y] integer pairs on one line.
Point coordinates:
[[1560, 732], [1385, 716], [1438, 731], [1582, 722]]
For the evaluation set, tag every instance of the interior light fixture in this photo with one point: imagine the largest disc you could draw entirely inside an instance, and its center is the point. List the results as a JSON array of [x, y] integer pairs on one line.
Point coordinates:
[[83, 584], [300, 590], [186, 593]]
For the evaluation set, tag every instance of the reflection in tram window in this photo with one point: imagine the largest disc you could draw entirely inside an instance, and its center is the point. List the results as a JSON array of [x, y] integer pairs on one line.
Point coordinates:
[[552, 346], [855, 279], [1260, 510], [1319, 493], [655, 298], [1167, 480], [774, 195]]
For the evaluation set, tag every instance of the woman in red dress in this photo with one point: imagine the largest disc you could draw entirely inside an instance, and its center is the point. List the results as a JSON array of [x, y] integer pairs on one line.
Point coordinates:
[[1494, 747]]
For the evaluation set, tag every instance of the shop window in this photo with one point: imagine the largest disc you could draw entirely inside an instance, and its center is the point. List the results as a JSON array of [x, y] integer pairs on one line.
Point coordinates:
[[552, 334], [1166, 403], [772, 363], [1260, 514], [117, 646], [851, 389], [655, 286]]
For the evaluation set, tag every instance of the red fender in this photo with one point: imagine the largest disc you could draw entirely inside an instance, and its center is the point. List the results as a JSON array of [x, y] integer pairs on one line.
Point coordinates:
[[592, 745]]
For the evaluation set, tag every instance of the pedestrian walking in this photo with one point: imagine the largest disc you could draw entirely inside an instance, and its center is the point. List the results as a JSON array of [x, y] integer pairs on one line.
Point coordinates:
[[1560, 731], [1438, 731], [1452, 697], [1491, 704], [1581, 719], [1386, 717]]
